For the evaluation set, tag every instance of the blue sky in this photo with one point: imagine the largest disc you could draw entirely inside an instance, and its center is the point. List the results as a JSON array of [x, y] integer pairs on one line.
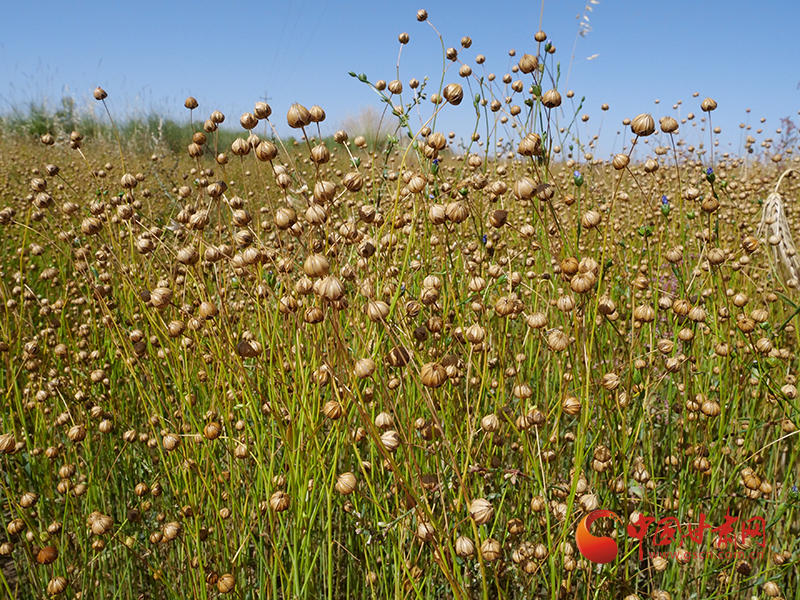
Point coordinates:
[[150, 55]]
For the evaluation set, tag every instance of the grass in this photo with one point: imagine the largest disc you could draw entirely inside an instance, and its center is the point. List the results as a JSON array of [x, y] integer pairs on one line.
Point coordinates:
[[406, 371]]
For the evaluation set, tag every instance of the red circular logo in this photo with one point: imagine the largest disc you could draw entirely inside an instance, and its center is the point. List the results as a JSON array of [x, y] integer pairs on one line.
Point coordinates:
[[600, 550]]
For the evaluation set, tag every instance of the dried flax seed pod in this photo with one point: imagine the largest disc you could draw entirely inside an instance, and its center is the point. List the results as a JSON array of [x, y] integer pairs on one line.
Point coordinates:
[[57, 586], [591, 219], [391, 440], [491, 550], [453, 93], [551, 99], [528, 63], [298, 116], [620, 161], [279, 501], [346, 483], [464, 546], [481, 511], [226, 583], [47, 555], [643, 125], [708, 104], [668, 125], [433, 375]]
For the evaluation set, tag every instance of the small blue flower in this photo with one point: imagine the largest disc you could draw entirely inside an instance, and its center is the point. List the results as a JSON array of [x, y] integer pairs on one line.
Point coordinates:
[[577, 174], [664, 200], [436, 161], [709, 171], [484, 238]]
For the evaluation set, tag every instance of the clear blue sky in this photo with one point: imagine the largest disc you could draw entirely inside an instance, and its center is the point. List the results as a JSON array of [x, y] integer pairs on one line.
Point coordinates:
[[150, 55]]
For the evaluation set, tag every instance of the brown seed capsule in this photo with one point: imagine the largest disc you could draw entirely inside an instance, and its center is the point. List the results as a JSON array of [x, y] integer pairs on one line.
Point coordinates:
[[528, 63], [91, 226], [285, 217], [195, 150], [751, 479], [457, 212], [530, 145], [212, 431], [161, 297], [571, 406], [316, 265], [100, 524], [425, 531], [436, 214], [364, 368], [279, 501], [324, 191], [674, 255], [590, 219], [346, 483], [464, 546], [248, 121], [377, 311], [422, 15], [226, 583], [403, 38], [557, 340], [668, 125], [47, 555], [551, 99], [100, 94], [391, 440], [262, 110], [708, 104], [249, 348], [620, 161], [353, 182], [7, 444], [171, 441], [475, 334], [77, 433], [298, 116], [15, 527], [190, 103], [216, 189], [330, 288], [481, 511], [433, 375], [498, 218], [266, 151], [57, 586], [643, 125], [790, 391], [491, 550], [398, 357], [750, 244], [490, 423], [317, 114], [332, 410], [453, 93]]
